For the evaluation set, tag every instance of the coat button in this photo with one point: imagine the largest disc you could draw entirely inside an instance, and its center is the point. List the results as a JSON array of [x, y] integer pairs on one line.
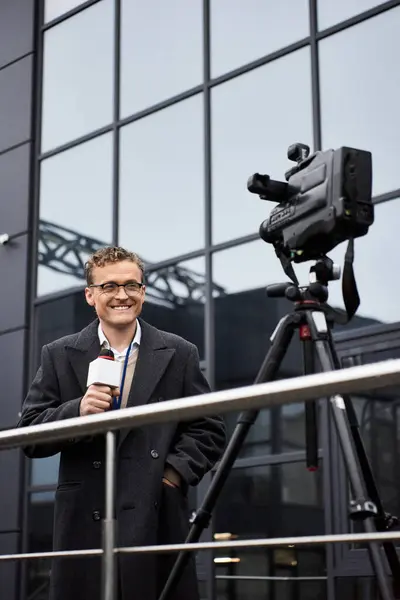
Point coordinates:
[[96, 515], [96, 464], [154, 454]]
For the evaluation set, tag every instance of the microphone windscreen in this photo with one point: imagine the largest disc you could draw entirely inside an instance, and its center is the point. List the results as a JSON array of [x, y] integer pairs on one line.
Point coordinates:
[[104, 371], [106, 353]]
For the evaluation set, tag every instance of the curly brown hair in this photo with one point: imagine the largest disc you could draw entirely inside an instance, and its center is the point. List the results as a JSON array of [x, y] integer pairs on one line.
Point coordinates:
[[109, 255]]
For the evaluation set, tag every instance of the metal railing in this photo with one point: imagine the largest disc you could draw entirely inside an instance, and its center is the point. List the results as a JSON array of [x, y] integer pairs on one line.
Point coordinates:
[[286, 391]]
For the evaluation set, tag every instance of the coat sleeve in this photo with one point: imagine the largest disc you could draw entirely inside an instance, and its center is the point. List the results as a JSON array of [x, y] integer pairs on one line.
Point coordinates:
[[198, 444], [43, 405]]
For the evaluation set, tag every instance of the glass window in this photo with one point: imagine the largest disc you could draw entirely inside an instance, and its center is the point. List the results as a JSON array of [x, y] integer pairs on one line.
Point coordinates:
[[40, 534], [75, 212], [55, 319], [44, 471], [278, 495], [56, 8], [265, 502], [330, 13], [255, 118], [244, 321], [285, 584], [356, 588], [373, 268], [78, 75], [162, 182], [242, 32], [175, 298], [356, 112], [378, 416], [161, 51]]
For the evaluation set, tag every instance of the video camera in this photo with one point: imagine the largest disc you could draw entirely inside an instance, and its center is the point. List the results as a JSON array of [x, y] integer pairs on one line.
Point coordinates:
[[326, 200]]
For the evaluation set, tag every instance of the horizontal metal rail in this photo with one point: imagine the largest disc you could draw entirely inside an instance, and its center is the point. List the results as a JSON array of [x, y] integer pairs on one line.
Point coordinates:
[[307, 540], [285, 391], [268, 578]]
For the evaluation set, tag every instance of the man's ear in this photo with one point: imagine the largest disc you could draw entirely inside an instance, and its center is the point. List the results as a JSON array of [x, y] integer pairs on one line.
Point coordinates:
[[89, 296]]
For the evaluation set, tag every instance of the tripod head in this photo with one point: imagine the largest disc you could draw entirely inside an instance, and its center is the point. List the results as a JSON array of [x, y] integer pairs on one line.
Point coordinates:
[[321, 273]]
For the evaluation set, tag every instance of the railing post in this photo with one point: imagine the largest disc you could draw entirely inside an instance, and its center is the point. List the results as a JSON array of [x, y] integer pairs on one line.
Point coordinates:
[[108, 558]]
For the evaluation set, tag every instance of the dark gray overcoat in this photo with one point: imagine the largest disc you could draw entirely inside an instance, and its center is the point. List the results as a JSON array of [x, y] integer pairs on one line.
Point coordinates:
[[147, 511]]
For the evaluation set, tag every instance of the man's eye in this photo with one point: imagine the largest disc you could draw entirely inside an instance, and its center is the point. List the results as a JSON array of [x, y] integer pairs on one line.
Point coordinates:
[[108, 286]]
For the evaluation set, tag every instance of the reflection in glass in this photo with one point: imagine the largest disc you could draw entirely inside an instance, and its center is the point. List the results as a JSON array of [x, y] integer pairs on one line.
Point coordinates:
[[354, 112], [175, 300], [161, 51], [56, 8], [378, 416], [356, 588], [242, 32], [254, 120], [75, 212], [269, 501], [286, 588], [373, 268], [162, 182], [40, 533], [44, 471], [78, 75], [330, 13], [244, 321], [285, 500]]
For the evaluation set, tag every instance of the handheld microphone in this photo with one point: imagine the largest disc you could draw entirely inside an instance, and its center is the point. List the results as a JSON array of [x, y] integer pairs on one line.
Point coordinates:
[[104, 370]]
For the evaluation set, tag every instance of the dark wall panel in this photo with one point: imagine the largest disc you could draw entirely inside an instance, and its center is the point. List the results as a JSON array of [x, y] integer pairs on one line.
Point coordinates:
[[12, 368], [15, 103], [14, 189], [8, 570], [13, 271], [9, 480], [16, 29]]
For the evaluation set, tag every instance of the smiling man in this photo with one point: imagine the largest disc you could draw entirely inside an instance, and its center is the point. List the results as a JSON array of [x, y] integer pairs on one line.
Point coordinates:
[[155, 464]]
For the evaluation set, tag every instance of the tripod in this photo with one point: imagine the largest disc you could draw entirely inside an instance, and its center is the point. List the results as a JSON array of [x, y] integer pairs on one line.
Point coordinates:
[[309, 318]]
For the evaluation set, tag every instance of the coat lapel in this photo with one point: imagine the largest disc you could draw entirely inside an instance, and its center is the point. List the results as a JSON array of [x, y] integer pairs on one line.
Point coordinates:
[[81, 352], [153, 359]]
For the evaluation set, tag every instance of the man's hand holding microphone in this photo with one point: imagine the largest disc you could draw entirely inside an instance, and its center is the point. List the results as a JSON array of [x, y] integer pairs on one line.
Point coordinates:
[[103, 382], [98, 399]]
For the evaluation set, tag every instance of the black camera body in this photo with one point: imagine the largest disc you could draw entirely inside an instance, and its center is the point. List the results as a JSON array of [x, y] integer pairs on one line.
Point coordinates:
[[327, 199]]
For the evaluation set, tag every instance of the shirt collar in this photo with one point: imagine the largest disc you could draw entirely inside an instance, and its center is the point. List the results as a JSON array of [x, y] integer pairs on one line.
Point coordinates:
[[121, 355]]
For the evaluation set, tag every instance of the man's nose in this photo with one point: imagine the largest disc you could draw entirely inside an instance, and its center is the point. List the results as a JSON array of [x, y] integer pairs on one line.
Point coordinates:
[[121, 293]]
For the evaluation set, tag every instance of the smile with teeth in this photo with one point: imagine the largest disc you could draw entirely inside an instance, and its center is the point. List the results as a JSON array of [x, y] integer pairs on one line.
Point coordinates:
[[121, 307]]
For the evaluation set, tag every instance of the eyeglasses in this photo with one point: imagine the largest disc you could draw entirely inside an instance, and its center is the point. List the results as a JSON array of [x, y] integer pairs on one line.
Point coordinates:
[[131, 288]]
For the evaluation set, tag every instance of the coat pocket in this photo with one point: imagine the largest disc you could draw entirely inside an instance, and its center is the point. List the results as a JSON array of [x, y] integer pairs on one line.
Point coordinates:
[[69, 485]]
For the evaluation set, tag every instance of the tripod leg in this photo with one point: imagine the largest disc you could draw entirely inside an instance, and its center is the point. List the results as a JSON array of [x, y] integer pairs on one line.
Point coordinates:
[[280, 342], [310, 407], [382, 520], [365, 508]]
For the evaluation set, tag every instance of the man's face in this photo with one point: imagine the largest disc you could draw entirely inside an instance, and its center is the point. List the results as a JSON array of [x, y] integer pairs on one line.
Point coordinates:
[[116, 307]]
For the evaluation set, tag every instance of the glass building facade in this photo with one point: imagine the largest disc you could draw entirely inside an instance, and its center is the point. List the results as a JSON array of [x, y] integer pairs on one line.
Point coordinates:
[[147, 120]]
